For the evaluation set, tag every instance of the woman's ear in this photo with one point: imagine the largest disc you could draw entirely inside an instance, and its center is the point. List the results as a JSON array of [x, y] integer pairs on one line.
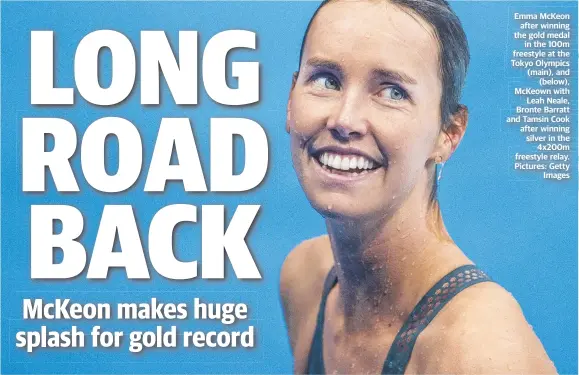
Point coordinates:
[[450, 138], [289, 101]]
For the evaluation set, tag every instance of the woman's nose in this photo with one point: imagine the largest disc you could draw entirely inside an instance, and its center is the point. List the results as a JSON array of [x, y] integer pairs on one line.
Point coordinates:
[[348, 120]]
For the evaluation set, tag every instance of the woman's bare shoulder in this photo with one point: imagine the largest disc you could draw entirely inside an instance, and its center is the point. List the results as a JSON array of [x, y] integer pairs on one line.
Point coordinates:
[[306, 266], [301, 282], [482, 330]]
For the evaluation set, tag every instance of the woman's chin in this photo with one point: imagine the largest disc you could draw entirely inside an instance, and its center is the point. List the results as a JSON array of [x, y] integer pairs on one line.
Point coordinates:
[[341, 210]]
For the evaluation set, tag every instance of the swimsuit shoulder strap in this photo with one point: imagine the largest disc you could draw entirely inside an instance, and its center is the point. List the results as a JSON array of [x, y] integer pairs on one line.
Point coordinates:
[[316, 356], [430, 305]]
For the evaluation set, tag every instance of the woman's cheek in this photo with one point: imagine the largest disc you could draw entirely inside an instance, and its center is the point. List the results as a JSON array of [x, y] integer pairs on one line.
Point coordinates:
[[307, 119]]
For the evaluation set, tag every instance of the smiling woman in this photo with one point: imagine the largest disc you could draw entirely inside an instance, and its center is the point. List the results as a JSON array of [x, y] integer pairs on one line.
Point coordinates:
[[373, 109]]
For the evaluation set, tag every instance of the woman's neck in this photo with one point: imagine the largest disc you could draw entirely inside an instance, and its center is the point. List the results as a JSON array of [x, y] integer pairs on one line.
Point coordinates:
[[384, 267]]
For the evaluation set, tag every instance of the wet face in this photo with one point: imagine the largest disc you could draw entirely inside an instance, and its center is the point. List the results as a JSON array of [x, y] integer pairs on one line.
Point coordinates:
[[364, 110]]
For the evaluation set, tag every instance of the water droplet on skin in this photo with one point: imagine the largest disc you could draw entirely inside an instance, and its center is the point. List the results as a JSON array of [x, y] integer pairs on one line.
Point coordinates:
[[397, 148], [393, 197], [330, 207]]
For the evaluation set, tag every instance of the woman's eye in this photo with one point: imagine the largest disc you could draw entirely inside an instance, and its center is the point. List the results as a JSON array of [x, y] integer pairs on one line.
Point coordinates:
[[326, 82], [394, 93]]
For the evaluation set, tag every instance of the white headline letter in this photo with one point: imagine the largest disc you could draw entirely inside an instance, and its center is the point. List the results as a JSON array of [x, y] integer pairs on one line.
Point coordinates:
[[93, 157], [35, 159], [43, 242], [161, 249], [131, 257], [256, 154], [86, 67], [247, 73], [42, 90], [181, 77], [175, 132], [215, 242]]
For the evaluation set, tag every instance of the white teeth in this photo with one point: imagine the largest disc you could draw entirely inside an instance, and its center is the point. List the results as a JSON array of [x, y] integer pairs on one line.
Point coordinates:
[[353, 163], [337, 164], [345, 163]]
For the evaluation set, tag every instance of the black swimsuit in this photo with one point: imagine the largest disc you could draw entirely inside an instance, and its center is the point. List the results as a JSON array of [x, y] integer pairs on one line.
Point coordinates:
[[432, 302]]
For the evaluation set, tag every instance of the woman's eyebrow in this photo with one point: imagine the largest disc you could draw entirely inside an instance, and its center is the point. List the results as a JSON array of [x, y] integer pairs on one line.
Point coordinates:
[[317, 62], [385, 74]]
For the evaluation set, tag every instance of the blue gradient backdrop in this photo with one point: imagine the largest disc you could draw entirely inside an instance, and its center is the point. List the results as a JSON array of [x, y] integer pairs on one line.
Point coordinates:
[[522, 230]]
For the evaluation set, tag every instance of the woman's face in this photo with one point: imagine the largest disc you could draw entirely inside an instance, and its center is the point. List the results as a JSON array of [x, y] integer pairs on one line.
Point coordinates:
[[364, 111]]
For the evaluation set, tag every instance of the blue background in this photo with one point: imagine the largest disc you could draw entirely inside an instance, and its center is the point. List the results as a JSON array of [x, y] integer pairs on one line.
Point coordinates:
[[519, 228]]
